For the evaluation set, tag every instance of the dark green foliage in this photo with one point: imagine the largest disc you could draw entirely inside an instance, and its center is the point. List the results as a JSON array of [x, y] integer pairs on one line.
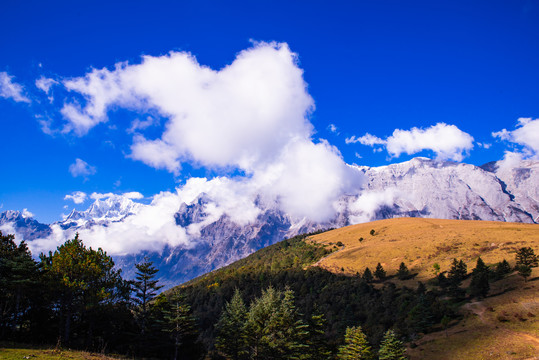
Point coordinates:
[[372, 232], [367, 276], [231, 339], [83, 281], [18, 285], [178, 321], [525, 261], [273, 327], [524, 271], [403, 273], [380, 273], [503, 268], [526, 256], [391, 347], [145, 286], [457, 273], [479, 286], [356, 346]]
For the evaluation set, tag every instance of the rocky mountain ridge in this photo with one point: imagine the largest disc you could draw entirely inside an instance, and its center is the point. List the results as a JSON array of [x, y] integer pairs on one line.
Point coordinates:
[[498, 191]]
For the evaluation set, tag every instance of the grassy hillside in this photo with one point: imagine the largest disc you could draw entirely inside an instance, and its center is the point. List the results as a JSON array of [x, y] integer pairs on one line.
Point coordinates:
[[420, 243], [505, 325], [9, 351]]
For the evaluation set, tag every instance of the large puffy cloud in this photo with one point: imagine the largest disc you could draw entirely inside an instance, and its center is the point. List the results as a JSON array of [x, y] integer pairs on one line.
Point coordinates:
[[446, 141], [526, 134], [10, 89], [237, 116]]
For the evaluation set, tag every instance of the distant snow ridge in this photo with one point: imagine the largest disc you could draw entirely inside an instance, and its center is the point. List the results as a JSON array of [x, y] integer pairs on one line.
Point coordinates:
[[498, 191], [102, 212]]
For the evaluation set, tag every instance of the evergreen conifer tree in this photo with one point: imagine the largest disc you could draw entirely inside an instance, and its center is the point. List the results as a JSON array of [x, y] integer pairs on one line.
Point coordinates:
[[379, 272], [479, 286], [145, 286], [356, 346], [391, 347], [525, 260], [178, 320], [367, 275], [503, 268], [403, 273], [231, 328]]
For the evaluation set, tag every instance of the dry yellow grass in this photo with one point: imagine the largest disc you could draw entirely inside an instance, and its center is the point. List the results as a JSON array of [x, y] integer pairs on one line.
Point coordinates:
[[420, 243], [503, 326]]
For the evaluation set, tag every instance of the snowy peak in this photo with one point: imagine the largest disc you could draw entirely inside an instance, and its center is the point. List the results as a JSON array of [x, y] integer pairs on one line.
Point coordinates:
[[109, 209]]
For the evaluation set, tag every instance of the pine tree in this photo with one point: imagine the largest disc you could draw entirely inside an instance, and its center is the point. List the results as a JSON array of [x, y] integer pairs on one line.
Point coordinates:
[[145, 286], [231, 328], [456, 274], [367, 275], [273, 327], [479, 286], [503, 268], [391, 347], [403, 273], [178, 320], [356, 346], [525, 260], [380, 273]]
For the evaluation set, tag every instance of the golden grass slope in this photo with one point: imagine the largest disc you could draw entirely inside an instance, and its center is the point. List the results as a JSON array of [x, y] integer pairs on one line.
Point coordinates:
[[420, 243], [505, 325]]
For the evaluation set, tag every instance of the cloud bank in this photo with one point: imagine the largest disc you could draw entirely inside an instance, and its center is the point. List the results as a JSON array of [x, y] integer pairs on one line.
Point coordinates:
[[448, 142]]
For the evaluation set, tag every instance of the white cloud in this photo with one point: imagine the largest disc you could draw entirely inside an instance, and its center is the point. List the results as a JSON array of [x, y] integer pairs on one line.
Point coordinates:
[[446, 141], [10, 89], [364, 208], [333, 128], [44, 84], [138, 124], [78, 197], [27, 214], [81, 168], [526, 134], [367, 139]]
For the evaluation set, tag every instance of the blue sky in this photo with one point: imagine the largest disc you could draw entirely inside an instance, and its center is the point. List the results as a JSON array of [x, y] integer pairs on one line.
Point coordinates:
[[370, 67]]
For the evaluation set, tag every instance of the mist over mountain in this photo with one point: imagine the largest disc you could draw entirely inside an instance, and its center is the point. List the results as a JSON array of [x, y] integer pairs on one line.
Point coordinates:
[[211, 235]]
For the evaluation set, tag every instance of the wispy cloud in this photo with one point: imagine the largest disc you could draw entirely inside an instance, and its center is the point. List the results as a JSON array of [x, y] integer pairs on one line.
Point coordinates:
[[10, 89], [81, 168]]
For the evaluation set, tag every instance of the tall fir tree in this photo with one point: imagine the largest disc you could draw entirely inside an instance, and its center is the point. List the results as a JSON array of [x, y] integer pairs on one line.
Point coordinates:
[[525, 261], [146, 288], [479, 286], [179, 322], [367, 276], [403, 273], [391, 347], [356, 346], [231, 339], [379, 272]]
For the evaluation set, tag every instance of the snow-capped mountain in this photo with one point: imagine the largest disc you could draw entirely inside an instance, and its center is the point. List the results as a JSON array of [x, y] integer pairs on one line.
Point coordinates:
[[113, 208], [498, 191]]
